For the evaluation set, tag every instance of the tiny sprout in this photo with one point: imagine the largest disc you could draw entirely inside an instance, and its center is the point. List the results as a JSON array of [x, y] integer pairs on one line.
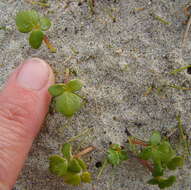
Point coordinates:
[[163, 157], [72, 169], [67, 101], [31, 22], [115, 155]]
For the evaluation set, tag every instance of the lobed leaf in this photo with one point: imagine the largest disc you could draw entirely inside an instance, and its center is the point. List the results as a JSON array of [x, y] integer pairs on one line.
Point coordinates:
[[72, 179], [36, 38], [68, 103], [58, 165], [45, 23], [175, 162], [86, 177], [167, 182], [27, 20], [82, 164], [74, 85], [74, 166], [56, 90], [153, 181], [155, 138]]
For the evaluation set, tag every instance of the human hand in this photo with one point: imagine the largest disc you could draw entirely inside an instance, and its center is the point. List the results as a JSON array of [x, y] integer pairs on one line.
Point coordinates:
[[23, 106]]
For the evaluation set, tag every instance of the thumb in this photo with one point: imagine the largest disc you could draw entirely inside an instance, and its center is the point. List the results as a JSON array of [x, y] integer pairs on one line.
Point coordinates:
[[23, 105]]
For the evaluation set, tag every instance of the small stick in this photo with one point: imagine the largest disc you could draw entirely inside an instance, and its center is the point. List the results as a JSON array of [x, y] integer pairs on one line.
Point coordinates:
[[85, 151], [139, 142]]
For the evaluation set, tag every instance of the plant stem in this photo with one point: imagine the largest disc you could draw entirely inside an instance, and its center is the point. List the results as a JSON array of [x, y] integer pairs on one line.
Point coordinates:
[[146, 164], [91, 6], [102, 168], [180, 69], [49, 45], [183, 136], [186, 32], [39, 3], [81, 134], [160, 19], [85, 151]]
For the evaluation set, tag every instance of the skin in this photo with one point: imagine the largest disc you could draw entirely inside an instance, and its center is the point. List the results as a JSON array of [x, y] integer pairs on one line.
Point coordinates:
[[24, 104]]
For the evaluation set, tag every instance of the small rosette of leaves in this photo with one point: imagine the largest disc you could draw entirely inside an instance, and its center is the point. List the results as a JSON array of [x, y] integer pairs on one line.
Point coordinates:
[[72, 170], [115, 155], [31, 22], [163, 157], [67, 101]]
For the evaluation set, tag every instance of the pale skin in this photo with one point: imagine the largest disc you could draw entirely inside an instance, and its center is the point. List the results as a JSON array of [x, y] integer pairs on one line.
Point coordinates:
[[24, 103]]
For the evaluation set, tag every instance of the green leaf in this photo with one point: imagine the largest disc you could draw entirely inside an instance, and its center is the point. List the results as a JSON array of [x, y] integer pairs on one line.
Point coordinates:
[[68, 103], [123, 155], [58, 165], [45, 23], [27, 20], [82, 164], [167, 182], [157, 171], [74, 85], [113, 157], [72, 179], [164, 147], [74, 166], [56, 90], [153, 181], [146, 153], [36, 38], [155, 138], [86, 177], [175, 162], [67, 151]]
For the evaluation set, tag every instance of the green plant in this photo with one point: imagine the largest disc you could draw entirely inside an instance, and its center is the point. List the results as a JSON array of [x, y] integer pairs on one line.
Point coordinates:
[[160, 153], [71, 168], [115, 155], [67, 101], [31, 22]]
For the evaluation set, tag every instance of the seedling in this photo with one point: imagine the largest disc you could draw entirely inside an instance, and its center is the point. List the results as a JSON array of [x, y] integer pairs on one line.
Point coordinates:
[[71, 168], [67, 101], [114, 156], [160, 153], [31, 22]]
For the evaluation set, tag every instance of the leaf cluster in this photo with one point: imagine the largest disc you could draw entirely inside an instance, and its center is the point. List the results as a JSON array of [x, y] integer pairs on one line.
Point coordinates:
[[67, 101], [163, 157], [31, 22], [115, 155], [72, 170]]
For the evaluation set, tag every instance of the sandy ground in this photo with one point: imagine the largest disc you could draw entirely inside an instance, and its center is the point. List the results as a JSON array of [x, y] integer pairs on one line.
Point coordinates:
[[118, 61]]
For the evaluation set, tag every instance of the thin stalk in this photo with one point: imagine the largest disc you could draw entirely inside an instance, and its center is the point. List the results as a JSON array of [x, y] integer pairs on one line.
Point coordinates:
[[102, 168], [49, 44], [179, 69], [80, 135], [183, 136], [186, 32]]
